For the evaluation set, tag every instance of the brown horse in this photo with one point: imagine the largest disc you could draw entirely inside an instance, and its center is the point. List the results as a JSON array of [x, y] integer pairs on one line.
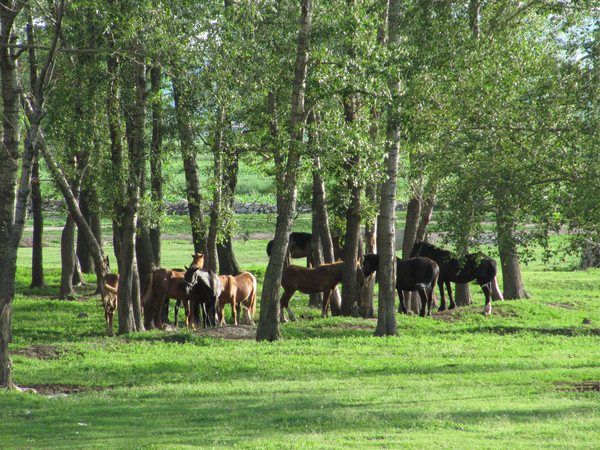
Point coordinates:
[[109, 286], [237, 290], [163, 284], [311, 281]]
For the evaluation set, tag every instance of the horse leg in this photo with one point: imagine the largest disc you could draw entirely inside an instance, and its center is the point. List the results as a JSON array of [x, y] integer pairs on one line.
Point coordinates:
[[430, 294], [401, 303], [442, 297], [497, 295], [424, 301], [326, 297], [158, 305], [221, 314], [284, 303], [234, 310], [452, 304], [176, 311], [487, 291]]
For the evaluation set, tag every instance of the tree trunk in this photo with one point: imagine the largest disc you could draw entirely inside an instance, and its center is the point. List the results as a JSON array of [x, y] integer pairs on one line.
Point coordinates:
[[321, 220], [366, 308], [83, 253], [130, 317], [513, 285], [228, 264], [67, 257], [144, 251], [350, 291], [37, 264], [190, 166], [215, 212], [156, 178], [268, 323], [386, 320], [9, 169], [413, 213]]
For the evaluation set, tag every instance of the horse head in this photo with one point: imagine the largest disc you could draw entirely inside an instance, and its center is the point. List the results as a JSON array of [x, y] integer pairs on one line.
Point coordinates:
[[370, 264], [198, 259], [416, 250], [360, 275]]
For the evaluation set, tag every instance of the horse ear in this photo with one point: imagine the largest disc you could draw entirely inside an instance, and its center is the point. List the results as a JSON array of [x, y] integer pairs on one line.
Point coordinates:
[[186, 267]]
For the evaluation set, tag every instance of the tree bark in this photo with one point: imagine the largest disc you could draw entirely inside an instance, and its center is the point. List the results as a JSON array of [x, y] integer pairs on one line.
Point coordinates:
[[268, 324], [192, 177], [386, 320], [215, 212], [156, 177], [228, 264], [513, 284], [321, 220], [9, 158], [37, 255], [83, 253], [130, 317]]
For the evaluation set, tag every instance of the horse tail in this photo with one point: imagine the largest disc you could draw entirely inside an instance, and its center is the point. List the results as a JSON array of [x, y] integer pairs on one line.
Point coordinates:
[[147, 289], [109, 288], [252, 298], [492, 271]]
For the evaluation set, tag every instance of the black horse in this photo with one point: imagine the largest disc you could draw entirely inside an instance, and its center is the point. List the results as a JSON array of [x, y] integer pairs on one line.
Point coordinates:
[[473, 266], [203, 289], [300, 247], [416, 274]]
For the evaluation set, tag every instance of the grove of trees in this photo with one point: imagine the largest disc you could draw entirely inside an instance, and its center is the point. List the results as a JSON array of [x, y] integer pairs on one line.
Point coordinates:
[[487, 110]]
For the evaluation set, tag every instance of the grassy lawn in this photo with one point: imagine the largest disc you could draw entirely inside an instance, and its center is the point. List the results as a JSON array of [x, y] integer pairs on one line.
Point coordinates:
[[520, 378]]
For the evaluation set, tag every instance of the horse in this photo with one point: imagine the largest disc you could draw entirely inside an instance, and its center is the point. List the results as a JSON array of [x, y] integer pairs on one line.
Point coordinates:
[[300, 244], [237, 290], [203, 288], [473, 266], [109, 286], [323, 278], [416, 274], [161, 285]]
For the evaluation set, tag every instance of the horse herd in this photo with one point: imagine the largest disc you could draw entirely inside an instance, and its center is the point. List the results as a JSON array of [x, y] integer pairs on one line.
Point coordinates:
[[203, 293]]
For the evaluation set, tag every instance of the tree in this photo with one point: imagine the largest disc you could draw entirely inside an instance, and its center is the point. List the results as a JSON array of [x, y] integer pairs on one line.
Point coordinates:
[[386, 320], [268, 326]]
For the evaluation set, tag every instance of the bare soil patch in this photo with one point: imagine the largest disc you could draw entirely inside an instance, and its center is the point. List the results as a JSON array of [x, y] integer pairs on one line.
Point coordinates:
[[57, 388], [562, 305], [229, 332], [584, 386], [44, 352]]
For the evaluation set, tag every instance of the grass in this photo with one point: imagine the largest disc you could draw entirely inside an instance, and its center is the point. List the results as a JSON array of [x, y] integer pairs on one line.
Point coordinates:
[[514, 379]]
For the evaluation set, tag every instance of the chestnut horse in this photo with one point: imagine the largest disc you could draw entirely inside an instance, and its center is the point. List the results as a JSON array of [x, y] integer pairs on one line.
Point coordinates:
[[163, 284], [311, 281], [300, 247], [237, 290], [415, 274], [473, 266], [109, 286]]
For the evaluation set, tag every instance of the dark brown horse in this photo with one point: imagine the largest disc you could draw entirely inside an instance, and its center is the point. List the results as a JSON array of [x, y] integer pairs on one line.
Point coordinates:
[[237, 290], [473, 266], [300, 247], [311, 281], [416, 274], [203, 288], [161, 285]]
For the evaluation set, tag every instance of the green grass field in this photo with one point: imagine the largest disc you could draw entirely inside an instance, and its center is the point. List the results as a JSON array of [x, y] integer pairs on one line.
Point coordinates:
[[525, 377]]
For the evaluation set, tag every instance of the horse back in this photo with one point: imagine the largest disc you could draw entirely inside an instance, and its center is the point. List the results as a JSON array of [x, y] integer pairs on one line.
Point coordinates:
[[419, 272], [311, 280], [228, 289]]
